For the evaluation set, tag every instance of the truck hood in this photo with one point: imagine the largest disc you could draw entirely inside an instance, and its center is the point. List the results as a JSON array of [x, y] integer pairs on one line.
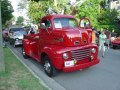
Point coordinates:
[[71, 37]]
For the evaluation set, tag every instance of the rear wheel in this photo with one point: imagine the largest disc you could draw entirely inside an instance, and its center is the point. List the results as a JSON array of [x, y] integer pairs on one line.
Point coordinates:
[[49, 69], [24, 54]]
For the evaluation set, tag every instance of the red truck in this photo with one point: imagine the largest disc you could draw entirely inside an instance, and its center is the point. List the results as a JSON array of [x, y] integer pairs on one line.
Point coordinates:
[[62, 44]]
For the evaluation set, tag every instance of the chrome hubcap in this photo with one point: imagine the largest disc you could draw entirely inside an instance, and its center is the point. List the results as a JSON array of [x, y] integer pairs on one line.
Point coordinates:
[[47, 66]]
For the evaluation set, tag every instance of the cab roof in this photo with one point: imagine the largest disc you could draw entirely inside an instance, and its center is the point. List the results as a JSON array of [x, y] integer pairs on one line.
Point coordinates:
[[58, 16]]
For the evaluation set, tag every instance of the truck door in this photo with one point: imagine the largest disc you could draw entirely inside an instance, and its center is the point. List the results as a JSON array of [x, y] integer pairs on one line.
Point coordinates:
[[86, 25], [45, 32], [34, 44]]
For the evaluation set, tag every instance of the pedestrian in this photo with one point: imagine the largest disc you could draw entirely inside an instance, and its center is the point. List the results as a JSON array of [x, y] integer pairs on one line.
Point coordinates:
[[94, 36], [108, 35], [102, 39], [31, 31], [5, 37]]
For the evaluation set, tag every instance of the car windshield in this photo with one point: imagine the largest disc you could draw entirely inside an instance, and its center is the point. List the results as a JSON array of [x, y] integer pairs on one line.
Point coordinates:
[[19, 31], [65, 22]]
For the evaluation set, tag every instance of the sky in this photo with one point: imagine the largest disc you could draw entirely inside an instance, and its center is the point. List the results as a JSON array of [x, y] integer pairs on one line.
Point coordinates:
[[15, 6], [17, 12]]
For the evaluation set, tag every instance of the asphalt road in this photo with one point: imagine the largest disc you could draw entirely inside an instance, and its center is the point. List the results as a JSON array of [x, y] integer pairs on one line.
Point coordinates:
[[103, 76]]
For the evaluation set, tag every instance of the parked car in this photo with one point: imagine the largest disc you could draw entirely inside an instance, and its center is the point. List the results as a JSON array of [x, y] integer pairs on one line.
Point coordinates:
[[16, 36], [115, 43]]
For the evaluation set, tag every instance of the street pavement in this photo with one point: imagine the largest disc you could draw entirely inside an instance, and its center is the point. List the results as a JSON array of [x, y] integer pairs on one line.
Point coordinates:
[[103, 76]]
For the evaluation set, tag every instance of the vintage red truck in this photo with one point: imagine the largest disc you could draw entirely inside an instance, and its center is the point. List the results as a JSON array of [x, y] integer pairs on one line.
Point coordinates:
[[62, 44]]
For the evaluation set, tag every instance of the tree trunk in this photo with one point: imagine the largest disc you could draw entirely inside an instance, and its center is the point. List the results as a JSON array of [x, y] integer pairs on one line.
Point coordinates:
[[2, 66]]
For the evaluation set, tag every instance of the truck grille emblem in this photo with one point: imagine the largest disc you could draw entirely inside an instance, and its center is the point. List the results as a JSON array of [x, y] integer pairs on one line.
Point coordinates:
[[76, 43]]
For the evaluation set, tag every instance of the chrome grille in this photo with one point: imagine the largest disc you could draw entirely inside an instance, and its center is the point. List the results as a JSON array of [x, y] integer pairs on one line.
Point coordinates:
[[80, 54]]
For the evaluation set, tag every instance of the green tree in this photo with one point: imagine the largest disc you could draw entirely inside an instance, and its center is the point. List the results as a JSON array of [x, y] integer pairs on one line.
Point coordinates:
[[6, 11], [91, 10], [107, 19], [37, 10], [22, 4], [20, 20], [41, 8], [96, 10]]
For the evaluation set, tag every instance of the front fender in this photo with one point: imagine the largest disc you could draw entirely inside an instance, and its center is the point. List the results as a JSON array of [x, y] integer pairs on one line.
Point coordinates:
[[54, 56], [26, 46]]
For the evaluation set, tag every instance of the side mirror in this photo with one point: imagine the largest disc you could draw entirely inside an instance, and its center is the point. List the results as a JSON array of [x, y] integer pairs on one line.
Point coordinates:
[[43, 26]]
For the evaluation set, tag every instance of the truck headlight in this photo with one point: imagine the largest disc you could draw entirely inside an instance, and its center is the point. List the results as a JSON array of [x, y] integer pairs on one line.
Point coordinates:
[[93, 50], [65, 56]]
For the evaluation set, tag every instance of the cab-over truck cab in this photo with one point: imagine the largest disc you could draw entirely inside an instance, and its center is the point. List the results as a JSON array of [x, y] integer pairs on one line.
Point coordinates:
[[62, 44]]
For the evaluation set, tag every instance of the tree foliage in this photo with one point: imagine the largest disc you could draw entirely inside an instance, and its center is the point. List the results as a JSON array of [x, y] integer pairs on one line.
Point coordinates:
[[107, 18], [91, 10], [39, 9], [96, 10], [20, 20], [6, 11], [22, 4]]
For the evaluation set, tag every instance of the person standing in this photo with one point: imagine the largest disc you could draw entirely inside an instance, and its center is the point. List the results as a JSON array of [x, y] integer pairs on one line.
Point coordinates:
[[108, 34], [94, 36], [5, 37], [102, 39]]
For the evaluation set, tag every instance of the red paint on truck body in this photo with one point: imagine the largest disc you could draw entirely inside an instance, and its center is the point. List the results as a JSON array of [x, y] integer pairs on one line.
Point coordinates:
[[53, 42]]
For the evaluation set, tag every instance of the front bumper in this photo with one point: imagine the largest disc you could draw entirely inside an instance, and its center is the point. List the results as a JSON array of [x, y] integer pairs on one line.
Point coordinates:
[[18, 42], [117, 45], [81, 66]]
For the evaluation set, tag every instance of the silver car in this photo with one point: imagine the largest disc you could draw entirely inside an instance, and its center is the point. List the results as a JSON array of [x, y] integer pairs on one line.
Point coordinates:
[[16, 36]]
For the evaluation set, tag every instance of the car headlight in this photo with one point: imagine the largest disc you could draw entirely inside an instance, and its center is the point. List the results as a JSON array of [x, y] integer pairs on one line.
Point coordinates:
[[93, 50], [65, 56], [16, 39]]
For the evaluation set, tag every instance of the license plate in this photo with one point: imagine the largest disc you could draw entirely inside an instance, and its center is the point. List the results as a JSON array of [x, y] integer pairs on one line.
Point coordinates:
[[69, 63]]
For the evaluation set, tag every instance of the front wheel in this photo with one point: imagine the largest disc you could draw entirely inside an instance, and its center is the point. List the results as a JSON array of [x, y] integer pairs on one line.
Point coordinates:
[[49, 68]]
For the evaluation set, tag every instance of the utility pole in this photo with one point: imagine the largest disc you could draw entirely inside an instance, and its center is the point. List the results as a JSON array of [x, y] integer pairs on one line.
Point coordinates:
[[2, 66]]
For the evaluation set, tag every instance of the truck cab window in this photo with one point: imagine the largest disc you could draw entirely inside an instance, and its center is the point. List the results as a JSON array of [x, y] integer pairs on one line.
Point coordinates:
[[46, 23], [85, 23], [65, 22]]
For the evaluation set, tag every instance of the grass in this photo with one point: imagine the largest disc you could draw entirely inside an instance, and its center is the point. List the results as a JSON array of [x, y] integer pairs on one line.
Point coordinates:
[[16, 75]]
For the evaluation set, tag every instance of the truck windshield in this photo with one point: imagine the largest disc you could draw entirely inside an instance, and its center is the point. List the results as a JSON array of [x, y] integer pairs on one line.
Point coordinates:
[[65, 22]]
